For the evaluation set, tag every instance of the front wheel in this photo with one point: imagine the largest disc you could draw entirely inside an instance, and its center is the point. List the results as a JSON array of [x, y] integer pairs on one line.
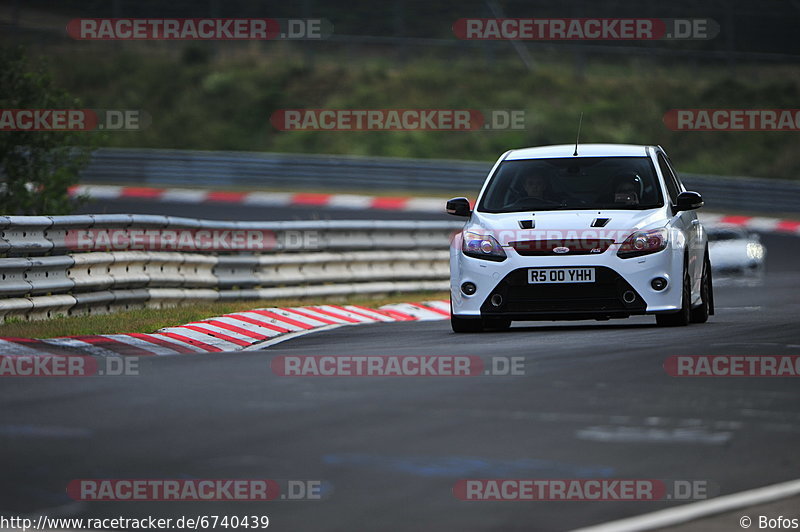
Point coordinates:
[[475, 325], [683, 316], [701, 313], [496, 324], [464, 325]]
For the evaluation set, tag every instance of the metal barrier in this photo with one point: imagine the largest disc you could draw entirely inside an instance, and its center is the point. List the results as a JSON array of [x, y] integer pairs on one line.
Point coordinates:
[[278, 170], [57, 277], [47, 235], [45, 273]]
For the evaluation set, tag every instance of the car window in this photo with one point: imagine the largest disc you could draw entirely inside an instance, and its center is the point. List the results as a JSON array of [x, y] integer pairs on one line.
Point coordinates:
[[573, 183]]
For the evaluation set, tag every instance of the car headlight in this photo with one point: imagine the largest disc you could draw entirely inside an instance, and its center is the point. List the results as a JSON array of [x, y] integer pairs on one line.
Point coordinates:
[[755, 251], [482, 247], [643, 243]]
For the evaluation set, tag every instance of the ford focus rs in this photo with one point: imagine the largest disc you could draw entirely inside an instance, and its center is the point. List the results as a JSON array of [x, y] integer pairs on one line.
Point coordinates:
[[595, 231]]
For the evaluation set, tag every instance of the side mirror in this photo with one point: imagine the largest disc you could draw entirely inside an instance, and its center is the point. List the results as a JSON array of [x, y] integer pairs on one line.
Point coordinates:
[[458, 207], [688, 201]]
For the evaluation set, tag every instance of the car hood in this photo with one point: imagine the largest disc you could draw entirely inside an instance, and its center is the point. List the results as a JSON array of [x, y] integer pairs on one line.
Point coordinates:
[[505, 227]]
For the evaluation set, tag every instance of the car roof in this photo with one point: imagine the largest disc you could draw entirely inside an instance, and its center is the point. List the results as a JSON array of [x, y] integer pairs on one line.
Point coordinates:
[[584, 150]]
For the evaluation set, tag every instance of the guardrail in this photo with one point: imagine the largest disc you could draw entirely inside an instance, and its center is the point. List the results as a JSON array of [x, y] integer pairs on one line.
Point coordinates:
[[278, 170], [60, 265], [44, 272], [47, 235]]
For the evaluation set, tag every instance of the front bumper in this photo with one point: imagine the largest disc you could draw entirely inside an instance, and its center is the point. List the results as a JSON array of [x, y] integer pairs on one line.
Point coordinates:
[[610, 296], [622, 286]]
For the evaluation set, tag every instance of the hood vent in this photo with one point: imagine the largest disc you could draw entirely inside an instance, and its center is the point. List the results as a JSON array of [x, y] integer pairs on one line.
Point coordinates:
[[600, 222], [527, 224]]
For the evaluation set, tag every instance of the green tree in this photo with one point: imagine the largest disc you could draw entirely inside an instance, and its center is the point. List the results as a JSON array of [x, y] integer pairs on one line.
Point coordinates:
[[36, 167]]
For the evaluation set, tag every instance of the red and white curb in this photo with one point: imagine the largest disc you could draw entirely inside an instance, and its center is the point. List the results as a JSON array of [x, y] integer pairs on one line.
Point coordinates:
[[359, 202], [252, 329], [754, 223], [265, 199]]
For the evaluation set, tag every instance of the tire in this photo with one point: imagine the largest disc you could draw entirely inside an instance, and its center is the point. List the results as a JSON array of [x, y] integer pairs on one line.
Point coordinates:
[[465, 325], [701, 313], [683, 316], [497, 324]]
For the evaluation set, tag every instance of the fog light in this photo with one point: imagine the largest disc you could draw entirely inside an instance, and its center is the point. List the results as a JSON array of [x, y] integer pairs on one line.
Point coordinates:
[[497, 300], [658, 284], [468, 288], [628, 296]]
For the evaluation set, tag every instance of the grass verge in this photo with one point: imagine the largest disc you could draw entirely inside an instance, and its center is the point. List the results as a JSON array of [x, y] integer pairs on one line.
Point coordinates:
[[150, 320]]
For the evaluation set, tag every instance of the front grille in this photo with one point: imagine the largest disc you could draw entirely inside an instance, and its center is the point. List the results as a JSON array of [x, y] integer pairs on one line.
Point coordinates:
[[604, 297], [583, 246]]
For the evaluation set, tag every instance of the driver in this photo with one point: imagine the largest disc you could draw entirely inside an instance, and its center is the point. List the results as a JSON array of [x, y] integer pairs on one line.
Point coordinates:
[[536, 186]]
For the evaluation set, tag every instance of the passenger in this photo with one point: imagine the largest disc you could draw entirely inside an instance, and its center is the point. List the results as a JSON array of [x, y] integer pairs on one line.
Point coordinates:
[[627, 189]]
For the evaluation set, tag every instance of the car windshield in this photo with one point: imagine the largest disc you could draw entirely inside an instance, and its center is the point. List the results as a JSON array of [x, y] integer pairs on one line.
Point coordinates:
[[573, 183]]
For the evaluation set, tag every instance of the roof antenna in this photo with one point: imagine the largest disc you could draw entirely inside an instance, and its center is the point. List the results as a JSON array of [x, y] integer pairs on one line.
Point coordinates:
[[580, 121]]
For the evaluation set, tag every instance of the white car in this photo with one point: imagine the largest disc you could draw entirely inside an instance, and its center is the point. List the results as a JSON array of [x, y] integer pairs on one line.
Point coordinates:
[[593, 231], [735, 252]]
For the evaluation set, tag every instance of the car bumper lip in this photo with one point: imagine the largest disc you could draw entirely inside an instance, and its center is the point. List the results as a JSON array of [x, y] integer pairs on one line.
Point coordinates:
[[609, 294], [560, 315]]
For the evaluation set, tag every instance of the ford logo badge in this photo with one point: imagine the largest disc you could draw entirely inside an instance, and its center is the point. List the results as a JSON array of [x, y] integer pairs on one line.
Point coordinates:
[[561, 249]]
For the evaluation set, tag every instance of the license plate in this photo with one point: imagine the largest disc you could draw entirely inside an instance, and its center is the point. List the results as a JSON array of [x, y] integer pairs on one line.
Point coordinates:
[[560, 275]]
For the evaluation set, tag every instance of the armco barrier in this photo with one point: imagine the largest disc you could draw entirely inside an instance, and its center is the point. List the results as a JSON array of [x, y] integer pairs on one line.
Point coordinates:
[[47, 235], [12, 274], [49, 274], [44, 307], [25, 234], [42, 277], [219, 169], [326, 267], [343, 257]]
